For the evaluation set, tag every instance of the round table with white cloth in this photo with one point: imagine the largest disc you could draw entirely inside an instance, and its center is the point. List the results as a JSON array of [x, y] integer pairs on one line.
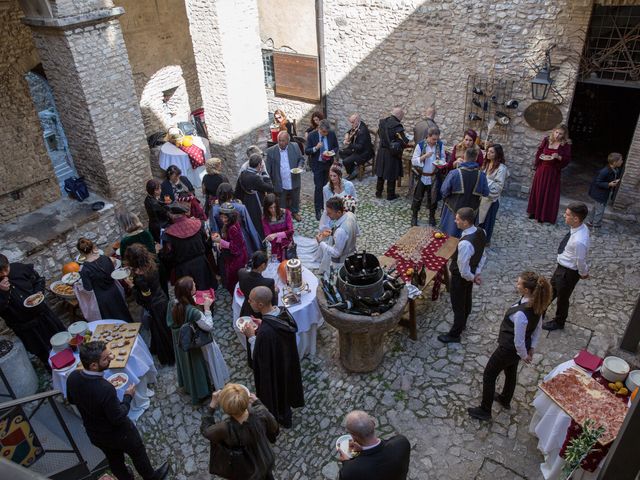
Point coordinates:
[[306, 314], [550, 424], [172, 155], [139, 368]]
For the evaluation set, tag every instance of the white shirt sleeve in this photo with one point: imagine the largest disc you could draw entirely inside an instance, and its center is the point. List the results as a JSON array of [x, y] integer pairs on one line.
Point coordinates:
[[340, 238], [520, 322], [415, 159], [535, 336], [252, 343], [205, 322], [483, 260], [465, 252], [581, 259]]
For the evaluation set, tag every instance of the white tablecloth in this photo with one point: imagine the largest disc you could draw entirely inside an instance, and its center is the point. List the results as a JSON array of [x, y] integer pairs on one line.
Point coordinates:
[[139, 368], [550, 424], [306, 314], [172, 155]]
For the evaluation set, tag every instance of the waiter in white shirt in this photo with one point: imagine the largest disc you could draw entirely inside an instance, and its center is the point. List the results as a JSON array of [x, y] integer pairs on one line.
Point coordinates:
[[572, 263], [517, 340], [341, 239], [466, 265], [427, 151]]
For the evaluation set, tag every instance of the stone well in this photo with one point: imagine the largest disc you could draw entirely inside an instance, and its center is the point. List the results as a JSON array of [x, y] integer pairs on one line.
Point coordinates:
[[361, 337]]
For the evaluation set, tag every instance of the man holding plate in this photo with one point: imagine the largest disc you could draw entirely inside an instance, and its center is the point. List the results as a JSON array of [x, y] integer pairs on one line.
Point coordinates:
[[284, 165], [322, 147]]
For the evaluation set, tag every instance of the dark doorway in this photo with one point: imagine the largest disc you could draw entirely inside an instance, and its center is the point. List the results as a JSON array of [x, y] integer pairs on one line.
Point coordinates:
[[603, 119]]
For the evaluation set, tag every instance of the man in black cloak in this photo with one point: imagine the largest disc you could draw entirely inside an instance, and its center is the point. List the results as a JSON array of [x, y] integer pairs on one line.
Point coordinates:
[[33, 325], [253, 183], [276, 365]]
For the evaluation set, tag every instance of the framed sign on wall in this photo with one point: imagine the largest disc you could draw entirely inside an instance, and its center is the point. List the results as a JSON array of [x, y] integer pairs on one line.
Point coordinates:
[[296, 76]]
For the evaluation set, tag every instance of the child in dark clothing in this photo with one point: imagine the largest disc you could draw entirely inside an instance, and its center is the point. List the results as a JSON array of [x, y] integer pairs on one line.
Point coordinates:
[[604, 183]]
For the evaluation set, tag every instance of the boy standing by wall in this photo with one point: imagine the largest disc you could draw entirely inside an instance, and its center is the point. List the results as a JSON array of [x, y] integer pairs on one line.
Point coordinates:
[[603, 185]]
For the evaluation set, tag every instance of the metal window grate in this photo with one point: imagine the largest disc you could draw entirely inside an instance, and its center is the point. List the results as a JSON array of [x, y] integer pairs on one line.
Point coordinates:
[[612, 50], [267, 64]]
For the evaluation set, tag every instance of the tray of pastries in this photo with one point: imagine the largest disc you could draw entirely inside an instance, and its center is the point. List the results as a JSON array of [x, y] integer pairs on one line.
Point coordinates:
[[120, 337]]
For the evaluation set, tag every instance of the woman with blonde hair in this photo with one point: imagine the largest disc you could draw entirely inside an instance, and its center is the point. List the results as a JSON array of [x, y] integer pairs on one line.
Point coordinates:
[[554, 153], [249, 426], [211, 181], [518, 338], [280, 119]]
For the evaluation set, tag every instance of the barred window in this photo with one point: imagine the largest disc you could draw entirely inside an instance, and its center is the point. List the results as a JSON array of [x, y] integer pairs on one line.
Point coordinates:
[[267, 63]]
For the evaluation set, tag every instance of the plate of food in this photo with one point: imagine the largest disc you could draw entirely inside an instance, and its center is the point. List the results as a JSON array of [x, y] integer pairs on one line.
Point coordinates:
[[81, 257], [242, 321], [34, 300], [120, 273], [439, 163], [62, 290], [118, 380], [297, 171], [342, 444], [546, 157], [328, 153], [70, 278]]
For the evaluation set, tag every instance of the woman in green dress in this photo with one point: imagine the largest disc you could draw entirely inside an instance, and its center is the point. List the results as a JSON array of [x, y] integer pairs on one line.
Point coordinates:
[[198, 369], [134, 232]]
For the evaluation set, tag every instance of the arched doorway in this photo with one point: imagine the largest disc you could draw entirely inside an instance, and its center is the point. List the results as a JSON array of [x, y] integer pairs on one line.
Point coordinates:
[[54, 136]]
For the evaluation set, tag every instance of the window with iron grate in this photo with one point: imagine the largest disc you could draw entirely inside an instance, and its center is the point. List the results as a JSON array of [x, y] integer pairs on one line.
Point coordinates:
[[267, 64]]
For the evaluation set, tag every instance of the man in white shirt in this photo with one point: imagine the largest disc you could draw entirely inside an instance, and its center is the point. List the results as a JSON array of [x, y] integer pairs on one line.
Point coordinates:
[[281, 159], [466, 265], [572, 263], [341, 239], [427, 151]]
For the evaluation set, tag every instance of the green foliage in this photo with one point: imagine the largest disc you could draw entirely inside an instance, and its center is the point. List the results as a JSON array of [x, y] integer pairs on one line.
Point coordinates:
[[580, 447]]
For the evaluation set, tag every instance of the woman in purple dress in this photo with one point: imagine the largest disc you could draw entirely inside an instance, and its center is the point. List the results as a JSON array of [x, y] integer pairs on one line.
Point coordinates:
[[230, 241], [277, 226], [554, 153]]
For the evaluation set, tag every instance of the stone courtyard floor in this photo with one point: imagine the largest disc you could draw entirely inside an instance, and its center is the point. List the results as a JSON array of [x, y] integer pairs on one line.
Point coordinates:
[[422, 388]]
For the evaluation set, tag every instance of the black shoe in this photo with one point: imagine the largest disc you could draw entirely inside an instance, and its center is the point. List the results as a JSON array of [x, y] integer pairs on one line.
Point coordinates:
[[552, 325], [414, 220], [392, 197], [162, 472], [531, 216], [432, 222], [501, 400], [318, 214], [479, 413], [378, 194], [446, 338]]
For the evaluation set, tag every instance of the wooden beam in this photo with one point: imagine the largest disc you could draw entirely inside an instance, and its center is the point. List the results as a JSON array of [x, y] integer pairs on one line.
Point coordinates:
[[631, 336]]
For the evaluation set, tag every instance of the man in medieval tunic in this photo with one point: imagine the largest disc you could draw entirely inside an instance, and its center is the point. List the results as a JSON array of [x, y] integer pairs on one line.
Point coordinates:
[[341, 239], [463, 187], [274, 356]]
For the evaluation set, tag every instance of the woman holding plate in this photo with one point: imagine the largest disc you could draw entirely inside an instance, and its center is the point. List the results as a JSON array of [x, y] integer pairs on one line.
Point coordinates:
[[554, 153]]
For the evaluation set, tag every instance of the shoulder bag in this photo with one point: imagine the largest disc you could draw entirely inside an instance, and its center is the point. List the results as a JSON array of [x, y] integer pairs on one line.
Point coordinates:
[[230, 462], [190, 336]]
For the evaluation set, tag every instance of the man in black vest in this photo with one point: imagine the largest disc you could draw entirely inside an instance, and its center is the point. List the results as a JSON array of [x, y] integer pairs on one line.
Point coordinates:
[[377, 459], [105, 417], [518, 337], [466, 265]]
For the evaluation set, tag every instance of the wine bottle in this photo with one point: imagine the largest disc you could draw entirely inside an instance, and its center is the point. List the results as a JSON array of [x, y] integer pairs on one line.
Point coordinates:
[[347, 305], [326, 288]]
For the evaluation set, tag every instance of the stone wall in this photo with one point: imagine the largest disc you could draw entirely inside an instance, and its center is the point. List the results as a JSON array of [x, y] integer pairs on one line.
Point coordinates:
[[161, 58], [25, 165], [629, 192], [293, 27], [382, 53]]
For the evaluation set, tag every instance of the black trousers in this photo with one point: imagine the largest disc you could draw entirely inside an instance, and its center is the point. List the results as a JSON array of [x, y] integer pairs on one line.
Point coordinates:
[[502, 360], [131, 444], [320, 179], [418, 196], [460, 292], [563, 281], [391, 187], [351, 159]]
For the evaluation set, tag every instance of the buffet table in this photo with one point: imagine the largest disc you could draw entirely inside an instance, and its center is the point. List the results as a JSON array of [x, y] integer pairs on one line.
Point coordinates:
[[306, 314], [172, 155], [139, 368]]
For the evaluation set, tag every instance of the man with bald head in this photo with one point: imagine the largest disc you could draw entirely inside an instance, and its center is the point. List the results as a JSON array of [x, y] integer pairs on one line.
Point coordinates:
[[281, 159], [428, 122], [389, 158], [376, 459], [357, 147], [274, 356]]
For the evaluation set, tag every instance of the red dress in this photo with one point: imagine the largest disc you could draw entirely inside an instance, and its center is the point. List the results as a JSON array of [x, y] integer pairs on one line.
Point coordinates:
[[234, 252], [544, 197], [284, 230]]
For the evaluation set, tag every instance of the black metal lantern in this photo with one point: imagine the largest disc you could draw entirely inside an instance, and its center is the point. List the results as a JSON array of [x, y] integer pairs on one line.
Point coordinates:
[[542, 82]]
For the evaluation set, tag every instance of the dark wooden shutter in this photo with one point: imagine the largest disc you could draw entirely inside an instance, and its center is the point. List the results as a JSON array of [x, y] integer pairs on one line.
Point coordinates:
[[296, 76]]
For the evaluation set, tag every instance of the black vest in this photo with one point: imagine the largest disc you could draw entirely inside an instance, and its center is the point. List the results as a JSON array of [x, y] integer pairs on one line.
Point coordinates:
[[469, 195], [478, 239], [507, 328]]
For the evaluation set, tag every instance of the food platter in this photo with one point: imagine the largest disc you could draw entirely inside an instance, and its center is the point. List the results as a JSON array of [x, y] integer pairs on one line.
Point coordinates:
[[62, 290], [34, 300], [70, 278], [118, 380], [120, 338], [120, 273]]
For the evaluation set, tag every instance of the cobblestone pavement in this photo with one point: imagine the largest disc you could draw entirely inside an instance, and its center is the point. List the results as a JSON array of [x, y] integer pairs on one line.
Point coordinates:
[[422, 388]]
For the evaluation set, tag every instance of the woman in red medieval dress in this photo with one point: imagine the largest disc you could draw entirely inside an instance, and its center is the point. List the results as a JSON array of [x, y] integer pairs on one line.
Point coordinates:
[[554, 153], [231, 244]]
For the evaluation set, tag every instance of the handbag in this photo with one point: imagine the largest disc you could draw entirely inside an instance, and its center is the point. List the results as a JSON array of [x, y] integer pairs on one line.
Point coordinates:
[[230, 462], [291, 251], [190, 337]]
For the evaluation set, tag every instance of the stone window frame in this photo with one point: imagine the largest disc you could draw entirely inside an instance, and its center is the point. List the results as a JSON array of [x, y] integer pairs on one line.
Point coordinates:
[[269, 71]]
